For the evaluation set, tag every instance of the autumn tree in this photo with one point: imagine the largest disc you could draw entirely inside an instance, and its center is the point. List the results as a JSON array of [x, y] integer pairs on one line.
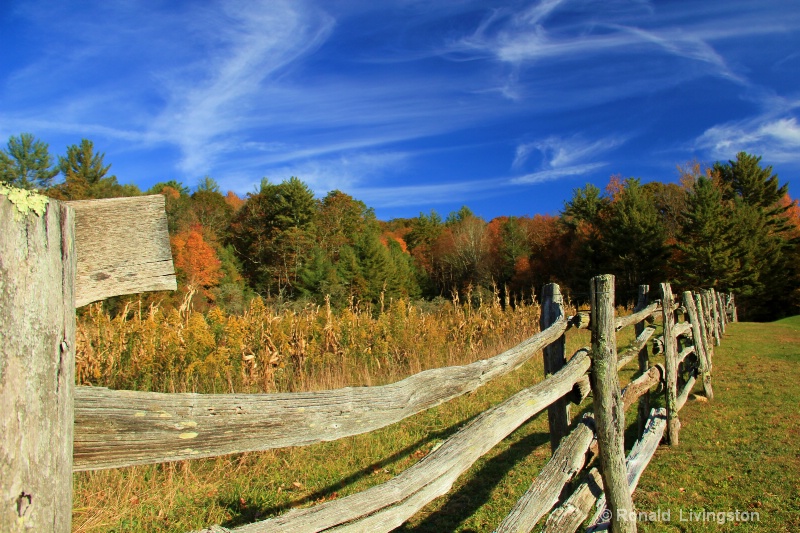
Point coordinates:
[[461, 253], [177, 204], [210, 209], [196, 260]]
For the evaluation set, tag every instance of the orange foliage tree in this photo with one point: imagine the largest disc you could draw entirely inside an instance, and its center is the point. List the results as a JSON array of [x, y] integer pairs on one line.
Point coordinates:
[[195, 258]]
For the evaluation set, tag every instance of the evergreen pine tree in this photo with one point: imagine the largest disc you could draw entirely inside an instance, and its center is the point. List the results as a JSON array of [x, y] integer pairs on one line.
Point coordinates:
[[85, 175], [26, 163], [706, 252]]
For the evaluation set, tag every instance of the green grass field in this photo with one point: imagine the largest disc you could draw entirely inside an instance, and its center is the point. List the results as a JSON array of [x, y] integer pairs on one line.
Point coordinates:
[[739, 452]]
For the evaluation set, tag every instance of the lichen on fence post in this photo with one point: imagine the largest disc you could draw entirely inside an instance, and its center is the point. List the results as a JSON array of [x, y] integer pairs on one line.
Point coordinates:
[[37, 365], [608, 407], [555, 358], [670, 365]]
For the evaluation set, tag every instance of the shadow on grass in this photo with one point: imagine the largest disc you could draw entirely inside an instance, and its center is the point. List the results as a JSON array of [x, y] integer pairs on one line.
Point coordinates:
[[246, 515], [463, 503]]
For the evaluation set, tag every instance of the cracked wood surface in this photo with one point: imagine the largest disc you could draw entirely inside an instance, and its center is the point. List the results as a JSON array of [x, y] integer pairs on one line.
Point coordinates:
[[122, 246]]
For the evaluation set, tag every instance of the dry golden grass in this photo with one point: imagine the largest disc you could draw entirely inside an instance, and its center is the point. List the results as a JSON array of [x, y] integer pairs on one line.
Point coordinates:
[[268, 349]]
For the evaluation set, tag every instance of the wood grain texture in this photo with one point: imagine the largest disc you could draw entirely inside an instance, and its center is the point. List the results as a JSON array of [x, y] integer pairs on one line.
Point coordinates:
[[583, 387], [670, 365], [699, 344], [643, 408], [607, 399], [543, 493], [37, 369], [723, 316], [687, 389], [638, 459], [554, 358], [641, 385], [682, 329], [122, 246], [384, 507], [715, 320], [123, 428], [708, 345], [568, 516], [642, 312]]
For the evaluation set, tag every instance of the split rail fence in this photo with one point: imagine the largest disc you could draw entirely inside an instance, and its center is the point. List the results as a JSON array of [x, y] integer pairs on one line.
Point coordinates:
[[71, 254]]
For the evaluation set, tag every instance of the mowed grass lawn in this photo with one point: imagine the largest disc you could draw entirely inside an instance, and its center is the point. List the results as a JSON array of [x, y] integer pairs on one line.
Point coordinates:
[[741, 451]]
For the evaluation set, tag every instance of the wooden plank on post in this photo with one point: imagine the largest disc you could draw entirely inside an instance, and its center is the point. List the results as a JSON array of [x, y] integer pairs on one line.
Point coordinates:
[[37, 365], [644, 361], [122, 246], [608, 408], [701, 315], [699, 345], [670, 365], [723, 316], [712, 296], [711, 331], [555, 358], [543, 493]]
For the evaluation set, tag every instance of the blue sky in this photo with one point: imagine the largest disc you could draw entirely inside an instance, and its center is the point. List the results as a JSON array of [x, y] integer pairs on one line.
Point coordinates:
[[407, 105]]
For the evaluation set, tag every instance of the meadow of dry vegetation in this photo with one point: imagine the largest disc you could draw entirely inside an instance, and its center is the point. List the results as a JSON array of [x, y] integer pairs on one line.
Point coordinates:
[[272, 348]]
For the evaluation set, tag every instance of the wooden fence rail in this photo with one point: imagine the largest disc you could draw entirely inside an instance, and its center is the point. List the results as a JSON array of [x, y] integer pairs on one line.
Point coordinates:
[[75, 253]]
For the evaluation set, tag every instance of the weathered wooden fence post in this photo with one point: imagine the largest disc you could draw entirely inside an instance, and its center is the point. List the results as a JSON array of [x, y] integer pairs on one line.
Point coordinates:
[[608, 408], [723, 316], [670, 365], [699, 343], [712, 297], [710, 325], [644, 361], [37, 364], [732, 304], [555, 357], [701, 316]]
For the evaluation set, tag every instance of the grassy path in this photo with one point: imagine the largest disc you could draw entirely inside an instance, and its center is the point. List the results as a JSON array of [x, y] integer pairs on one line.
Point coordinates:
[[742, 451]]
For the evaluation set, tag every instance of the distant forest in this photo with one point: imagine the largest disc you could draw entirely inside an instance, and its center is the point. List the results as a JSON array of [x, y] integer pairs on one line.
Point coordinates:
[[729, 225]]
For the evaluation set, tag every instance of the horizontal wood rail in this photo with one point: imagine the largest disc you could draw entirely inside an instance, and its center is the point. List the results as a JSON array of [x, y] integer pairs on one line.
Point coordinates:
[[115, 428], [386, 506]]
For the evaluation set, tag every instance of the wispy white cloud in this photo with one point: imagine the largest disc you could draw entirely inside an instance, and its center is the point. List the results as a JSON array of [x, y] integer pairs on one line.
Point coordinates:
[[542, 176], [345, 172], [256, 42], [775, 139], [533, 39], [430, 194], [559, 152]]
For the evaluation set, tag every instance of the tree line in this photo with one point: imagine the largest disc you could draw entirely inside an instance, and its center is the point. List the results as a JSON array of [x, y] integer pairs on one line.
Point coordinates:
[[731, 225]]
